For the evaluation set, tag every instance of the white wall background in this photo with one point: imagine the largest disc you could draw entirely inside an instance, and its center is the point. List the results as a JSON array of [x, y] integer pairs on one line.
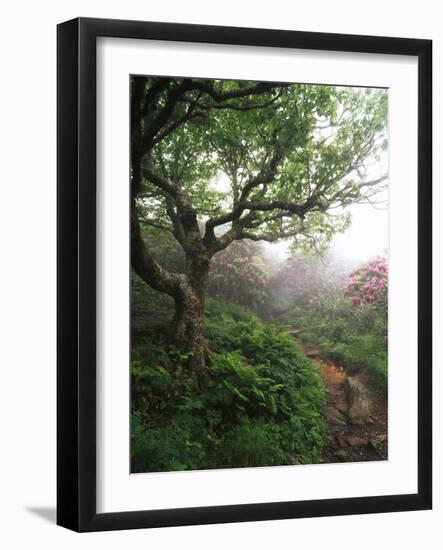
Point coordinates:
[[27, 273]]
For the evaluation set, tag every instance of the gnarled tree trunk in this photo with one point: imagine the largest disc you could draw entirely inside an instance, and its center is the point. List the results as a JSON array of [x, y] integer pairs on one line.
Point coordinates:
[[188, 322], [188, 290], [187, 330]]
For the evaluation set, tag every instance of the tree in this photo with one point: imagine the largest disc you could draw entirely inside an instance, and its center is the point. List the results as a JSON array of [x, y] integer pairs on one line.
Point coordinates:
[[308, 282], [239, 274], [213, 162]]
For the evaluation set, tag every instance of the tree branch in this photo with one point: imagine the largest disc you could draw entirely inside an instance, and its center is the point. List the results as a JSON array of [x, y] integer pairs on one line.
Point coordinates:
[[185, 219], [162, 183], [153, 223], [267, 238], [187, 116], [162, 118], [146, 266], [153, 93], [176, 222], [232, 106], [257, 89], [266, 176], [373, 183]]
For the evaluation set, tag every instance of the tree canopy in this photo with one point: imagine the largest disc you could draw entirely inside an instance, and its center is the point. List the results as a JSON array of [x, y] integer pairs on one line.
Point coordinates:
[[277, 163], [214, 162]]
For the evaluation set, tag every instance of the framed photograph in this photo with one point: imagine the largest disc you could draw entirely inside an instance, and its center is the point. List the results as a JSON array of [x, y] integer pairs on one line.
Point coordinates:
[[244, 274]]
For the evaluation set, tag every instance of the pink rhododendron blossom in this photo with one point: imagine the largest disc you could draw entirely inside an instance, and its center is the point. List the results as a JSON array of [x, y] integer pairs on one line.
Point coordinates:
[[239, 275], [369, 283]]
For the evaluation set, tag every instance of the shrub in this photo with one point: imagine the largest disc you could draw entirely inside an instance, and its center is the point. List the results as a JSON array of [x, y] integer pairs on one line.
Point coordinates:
[[260, 403], [352, 337], [369, 283], [308, 282], [239, 275]]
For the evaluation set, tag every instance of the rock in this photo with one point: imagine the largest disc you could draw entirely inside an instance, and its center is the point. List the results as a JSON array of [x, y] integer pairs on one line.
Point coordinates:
[[333, 395], [355, 441], [341, 440], [335, 417], [342, 408], [342, 455], [358, 400], [378, 440]]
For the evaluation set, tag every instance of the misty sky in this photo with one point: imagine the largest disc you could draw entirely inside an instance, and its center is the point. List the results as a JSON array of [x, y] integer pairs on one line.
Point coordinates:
[[368, 234], [366, 238]]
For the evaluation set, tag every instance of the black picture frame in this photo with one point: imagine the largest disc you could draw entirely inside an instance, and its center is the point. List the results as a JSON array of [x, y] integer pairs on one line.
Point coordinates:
[[76, 294]]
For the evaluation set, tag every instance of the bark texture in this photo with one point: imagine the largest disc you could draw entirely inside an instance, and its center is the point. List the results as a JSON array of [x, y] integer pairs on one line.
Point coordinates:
[[187, 326]]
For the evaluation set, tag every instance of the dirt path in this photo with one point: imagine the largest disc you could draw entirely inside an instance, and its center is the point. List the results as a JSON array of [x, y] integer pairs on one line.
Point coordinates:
[[347, 442]]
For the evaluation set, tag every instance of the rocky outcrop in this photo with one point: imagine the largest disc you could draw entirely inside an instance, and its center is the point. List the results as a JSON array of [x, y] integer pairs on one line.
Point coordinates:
[[358, 399], [335, 417], [353, 435], [356, 441]]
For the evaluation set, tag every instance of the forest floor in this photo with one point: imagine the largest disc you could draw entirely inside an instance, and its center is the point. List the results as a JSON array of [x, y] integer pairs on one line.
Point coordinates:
[[348, 442]]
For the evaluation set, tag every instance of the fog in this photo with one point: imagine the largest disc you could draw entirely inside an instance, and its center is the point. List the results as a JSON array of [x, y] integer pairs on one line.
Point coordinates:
[[367, 237]]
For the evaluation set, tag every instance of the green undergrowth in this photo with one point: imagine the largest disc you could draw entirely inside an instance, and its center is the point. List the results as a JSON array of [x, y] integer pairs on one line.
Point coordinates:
[[259, 403], [349, 340]]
